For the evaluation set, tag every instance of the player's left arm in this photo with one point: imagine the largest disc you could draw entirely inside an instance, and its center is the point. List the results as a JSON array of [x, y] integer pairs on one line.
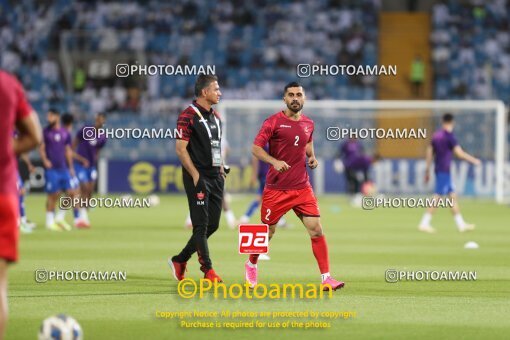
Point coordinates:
[[24, 157], [428, 159], [27, 124], [101, 142], [70, 156], [224, 153], [460, 153], [29, 133], [80, 158], [310, 153]]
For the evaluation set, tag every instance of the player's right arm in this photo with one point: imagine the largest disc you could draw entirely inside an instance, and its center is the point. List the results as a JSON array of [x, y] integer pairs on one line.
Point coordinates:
[[428, 158], [460, 153], [183, 154], [69, 159], [184, 123], [261, 154], [261, 140]]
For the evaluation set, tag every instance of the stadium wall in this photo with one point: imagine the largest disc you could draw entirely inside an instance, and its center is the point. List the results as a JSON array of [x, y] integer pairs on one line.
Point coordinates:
[[395, 176]]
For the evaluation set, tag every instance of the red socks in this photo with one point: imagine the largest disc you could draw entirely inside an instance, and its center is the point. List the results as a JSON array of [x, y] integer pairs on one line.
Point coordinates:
[[320, 251], [254, 258]]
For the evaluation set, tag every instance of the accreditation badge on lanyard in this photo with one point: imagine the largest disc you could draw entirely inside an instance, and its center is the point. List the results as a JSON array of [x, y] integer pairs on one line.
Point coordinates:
[[215, 143]]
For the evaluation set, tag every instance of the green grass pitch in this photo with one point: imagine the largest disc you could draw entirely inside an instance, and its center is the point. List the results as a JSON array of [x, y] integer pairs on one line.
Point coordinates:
[[362, 245]]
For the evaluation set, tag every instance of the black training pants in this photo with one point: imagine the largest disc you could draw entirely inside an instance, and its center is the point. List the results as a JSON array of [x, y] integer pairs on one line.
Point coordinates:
[[205, 203]]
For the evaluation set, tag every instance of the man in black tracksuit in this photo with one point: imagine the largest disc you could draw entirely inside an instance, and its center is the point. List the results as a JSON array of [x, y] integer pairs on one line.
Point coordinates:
[[199, 150]]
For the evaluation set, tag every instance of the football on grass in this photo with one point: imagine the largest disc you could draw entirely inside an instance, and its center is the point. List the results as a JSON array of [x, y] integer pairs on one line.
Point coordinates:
[[61, 327]]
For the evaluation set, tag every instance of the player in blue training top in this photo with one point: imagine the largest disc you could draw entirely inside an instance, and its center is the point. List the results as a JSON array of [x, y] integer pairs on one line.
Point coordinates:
[[443, 146]]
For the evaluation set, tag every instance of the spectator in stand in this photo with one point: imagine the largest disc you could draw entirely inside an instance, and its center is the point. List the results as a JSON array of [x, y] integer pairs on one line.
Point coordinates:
[[417, 76]]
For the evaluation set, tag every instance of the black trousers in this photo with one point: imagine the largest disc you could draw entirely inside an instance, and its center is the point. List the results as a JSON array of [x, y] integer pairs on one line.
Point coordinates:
[[354, 180], [205, 203]]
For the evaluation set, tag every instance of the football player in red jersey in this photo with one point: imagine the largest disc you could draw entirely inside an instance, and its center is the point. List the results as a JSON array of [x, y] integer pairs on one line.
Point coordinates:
[[16, 114], [289, 134]]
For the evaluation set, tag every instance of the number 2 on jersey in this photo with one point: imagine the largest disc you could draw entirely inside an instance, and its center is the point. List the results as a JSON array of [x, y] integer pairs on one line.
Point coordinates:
[[296, 142], [268, 213]]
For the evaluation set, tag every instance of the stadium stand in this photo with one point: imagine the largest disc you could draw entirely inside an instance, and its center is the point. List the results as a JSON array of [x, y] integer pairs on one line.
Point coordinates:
[[253, 46]]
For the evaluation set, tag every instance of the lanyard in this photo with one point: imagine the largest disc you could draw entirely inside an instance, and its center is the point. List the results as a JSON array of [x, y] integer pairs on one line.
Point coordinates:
[[205, 122]]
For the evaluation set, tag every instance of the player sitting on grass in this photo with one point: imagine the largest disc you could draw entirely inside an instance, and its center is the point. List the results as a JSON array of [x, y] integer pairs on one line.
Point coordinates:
[[443, 146]]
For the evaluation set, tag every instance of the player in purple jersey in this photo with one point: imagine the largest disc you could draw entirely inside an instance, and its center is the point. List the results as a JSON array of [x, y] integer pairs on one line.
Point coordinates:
[[80, 217], [350, 152], [356, 166], [25, 226], [87, 150], [442, 149], [57, 158]]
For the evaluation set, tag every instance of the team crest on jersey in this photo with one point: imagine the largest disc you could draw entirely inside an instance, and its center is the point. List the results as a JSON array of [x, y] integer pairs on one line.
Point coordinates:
[[306, 129]]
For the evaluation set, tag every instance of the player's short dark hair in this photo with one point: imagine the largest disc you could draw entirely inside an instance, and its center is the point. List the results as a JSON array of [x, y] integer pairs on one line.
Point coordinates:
[[291, 84], [101, 114], [67, 119], [447, 118], [54, 111], [203, 81]]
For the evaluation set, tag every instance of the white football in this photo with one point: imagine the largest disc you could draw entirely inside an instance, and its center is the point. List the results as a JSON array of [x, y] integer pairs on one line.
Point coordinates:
[[471, 245], [61, 327], [154, 199]]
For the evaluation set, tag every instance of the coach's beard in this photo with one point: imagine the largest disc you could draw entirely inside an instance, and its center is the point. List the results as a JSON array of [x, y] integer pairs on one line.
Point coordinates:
[[293, 106]]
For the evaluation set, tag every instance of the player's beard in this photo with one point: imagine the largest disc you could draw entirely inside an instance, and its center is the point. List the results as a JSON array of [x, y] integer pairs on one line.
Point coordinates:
[[295, 108]]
